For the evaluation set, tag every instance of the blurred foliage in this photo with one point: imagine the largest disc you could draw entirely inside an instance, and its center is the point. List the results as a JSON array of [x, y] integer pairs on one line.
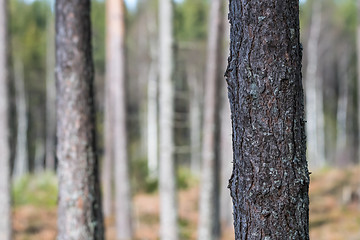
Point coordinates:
[[38, 190], [191, 17]]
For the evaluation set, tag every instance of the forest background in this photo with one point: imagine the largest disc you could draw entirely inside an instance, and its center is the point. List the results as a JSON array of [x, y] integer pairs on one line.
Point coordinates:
[[328, 31]]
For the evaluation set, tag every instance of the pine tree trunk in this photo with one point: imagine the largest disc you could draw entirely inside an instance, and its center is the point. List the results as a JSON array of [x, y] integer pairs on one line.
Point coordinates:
[[167, 174], [270, 180], [50, 144], [79, 204], [115, 74], [314, 97], [209, 225], [21, 155], [5, 202]]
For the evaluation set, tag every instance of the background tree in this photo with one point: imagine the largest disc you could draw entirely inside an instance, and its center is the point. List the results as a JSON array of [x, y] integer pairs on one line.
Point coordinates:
[[209, 224], [79, 191], [167, 177], [5, 202], [270, 180], [115, 77]]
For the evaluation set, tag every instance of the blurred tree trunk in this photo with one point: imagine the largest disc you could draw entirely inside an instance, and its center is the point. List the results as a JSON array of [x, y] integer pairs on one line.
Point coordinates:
[[195, 119], [342, 158], [209, 219], [115, 77], [152, 108], [21, 155], [50, 144], [167, 173], [79, 204], [5, 202], [358, 75], [225, 139], [226, 159], [270, 180], [314, 97]]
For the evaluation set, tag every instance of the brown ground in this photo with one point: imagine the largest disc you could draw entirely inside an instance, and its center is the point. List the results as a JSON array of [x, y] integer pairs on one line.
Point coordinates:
[[334, 212]]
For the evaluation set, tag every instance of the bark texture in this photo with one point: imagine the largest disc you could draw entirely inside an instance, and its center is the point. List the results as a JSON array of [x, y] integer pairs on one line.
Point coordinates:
[[115, 77], [270, 179], [167, 177], [5, 202], [79, 206], [209, 224]]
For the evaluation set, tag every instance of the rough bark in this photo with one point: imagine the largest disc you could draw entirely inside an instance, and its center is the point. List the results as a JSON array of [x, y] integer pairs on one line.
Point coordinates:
[[5, 202], [209, 225], [79, 204], [21, 155], [270, 179], [50, 144], [314, 98], [115, 74], [167, 177]]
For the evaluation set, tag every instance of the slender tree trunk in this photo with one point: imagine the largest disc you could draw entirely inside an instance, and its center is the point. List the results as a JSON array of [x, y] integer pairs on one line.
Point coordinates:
[[226, 159], [21, 155], [5, 202], [79, 204], [341, 122], [152, 114], [108, 162], [314, 97], [195, 120], [358, 74], [115, 74], [270, 180], [167, 174], [209, 225], [50, 144], [226, 144]]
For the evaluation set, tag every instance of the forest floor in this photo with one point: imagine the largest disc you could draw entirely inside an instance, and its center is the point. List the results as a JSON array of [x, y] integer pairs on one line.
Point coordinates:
[[334, 212]]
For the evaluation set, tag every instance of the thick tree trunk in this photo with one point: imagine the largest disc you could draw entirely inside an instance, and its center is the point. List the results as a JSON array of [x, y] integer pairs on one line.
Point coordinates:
[[50, 144], [314, 98], [115, 74], [21, 166], [5, 202], [79, 206], [167, 174], [209, 219], [270, 179]]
